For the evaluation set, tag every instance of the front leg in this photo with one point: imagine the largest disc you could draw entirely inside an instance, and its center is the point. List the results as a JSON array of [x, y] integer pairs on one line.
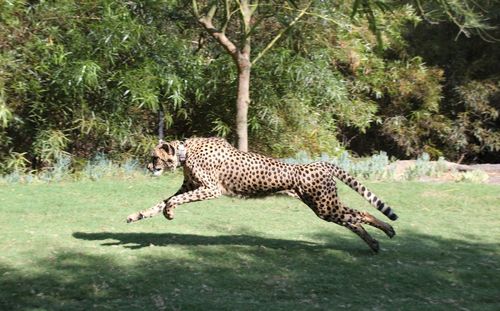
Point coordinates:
[[150, 212], [158, 208], [199, 194]]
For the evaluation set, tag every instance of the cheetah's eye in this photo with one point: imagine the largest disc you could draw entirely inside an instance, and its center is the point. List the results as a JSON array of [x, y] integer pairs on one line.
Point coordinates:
[[167, 161]]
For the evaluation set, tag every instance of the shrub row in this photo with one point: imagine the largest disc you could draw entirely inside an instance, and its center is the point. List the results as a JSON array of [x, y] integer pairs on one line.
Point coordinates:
[[378, 167]]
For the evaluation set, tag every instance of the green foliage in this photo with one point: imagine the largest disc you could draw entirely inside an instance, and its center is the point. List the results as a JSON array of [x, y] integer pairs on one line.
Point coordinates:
[[60, 170], [83, 78], [336, 73], [470, 94], [475, 176], [15, 162], [49, 145], [424, 167], [477, 125], [100, 166], [64, 168], [471, 17], [407, 92], [97, 77], [295, 112], [376, 167], [5, 113]]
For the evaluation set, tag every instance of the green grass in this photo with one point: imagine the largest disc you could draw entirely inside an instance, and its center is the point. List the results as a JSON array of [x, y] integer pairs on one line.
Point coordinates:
[[66, 246]]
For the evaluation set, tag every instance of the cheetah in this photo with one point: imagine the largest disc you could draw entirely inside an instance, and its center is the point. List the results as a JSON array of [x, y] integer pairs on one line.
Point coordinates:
[[213, 167]]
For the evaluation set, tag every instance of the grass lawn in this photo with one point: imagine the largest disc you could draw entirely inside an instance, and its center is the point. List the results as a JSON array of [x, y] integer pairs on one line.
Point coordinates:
[[66, 246]]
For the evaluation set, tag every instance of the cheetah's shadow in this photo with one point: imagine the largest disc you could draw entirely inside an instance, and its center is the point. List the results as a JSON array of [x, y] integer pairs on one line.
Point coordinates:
[[136, 240]]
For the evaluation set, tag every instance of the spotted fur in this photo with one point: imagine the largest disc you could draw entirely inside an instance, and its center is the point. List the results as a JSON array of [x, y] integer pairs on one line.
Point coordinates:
[[212, 167]]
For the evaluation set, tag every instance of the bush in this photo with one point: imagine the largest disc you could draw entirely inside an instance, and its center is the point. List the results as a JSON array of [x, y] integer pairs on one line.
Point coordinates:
[[374, 168], [377, 167], [424, 167], [100, 166], [475, 176]]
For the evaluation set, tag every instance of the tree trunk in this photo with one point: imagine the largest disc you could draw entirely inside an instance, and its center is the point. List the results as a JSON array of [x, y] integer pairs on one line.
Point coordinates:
[[243, 62], [161, 124], [240, 56], [242, 101]]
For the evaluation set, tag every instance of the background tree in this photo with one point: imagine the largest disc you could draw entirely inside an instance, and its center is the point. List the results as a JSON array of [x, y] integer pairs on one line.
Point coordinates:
[[95, 80], [457, 47], [253, 15], [244, 27]]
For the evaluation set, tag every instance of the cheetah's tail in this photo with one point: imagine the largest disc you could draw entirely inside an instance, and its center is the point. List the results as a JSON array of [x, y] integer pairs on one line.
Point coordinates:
[[364, 192]]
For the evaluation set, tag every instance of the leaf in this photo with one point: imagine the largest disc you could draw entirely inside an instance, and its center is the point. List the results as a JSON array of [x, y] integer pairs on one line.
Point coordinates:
[[355, 8]]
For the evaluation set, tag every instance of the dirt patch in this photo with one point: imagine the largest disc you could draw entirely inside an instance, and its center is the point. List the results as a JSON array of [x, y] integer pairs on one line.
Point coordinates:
[[493, 171], [451, 171]]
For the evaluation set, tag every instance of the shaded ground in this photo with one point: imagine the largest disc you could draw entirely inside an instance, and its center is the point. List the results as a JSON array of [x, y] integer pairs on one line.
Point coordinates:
[[66, 246], [419, 272]]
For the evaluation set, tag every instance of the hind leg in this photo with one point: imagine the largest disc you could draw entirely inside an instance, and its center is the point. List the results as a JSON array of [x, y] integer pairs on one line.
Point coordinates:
[[353, 220], [371, 220], [361, 232], [332, 210], [356, 217], [353, 223]]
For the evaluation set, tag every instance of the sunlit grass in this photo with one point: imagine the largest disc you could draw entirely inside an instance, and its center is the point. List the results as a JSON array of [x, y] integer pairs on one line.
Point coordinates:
[[67, 246]]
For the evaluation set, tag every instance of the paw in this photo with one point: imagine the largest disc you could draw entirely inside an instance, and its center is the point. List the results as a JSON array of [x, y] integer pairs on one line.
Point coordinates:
[[168, 213], [134, 217], [390, 232], [374, 246]]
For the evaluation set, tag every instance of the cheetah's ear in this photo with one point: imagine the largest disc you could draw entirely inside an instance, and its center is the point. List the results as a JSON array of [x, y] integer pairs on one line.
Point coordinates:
[[168, 148]]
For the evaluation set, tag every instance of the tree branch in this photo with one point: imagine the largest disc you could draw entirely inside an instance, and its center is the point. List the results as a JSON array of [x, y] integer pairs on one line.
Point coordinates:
[[195, 9], [227, 7], [218, 35], [246, 15], [281, 33]]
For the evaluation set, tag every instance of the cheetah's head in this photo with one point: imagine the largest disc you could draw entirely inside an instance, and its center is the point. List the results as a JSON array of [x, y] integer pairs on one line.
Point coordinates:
[[163, 157]]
